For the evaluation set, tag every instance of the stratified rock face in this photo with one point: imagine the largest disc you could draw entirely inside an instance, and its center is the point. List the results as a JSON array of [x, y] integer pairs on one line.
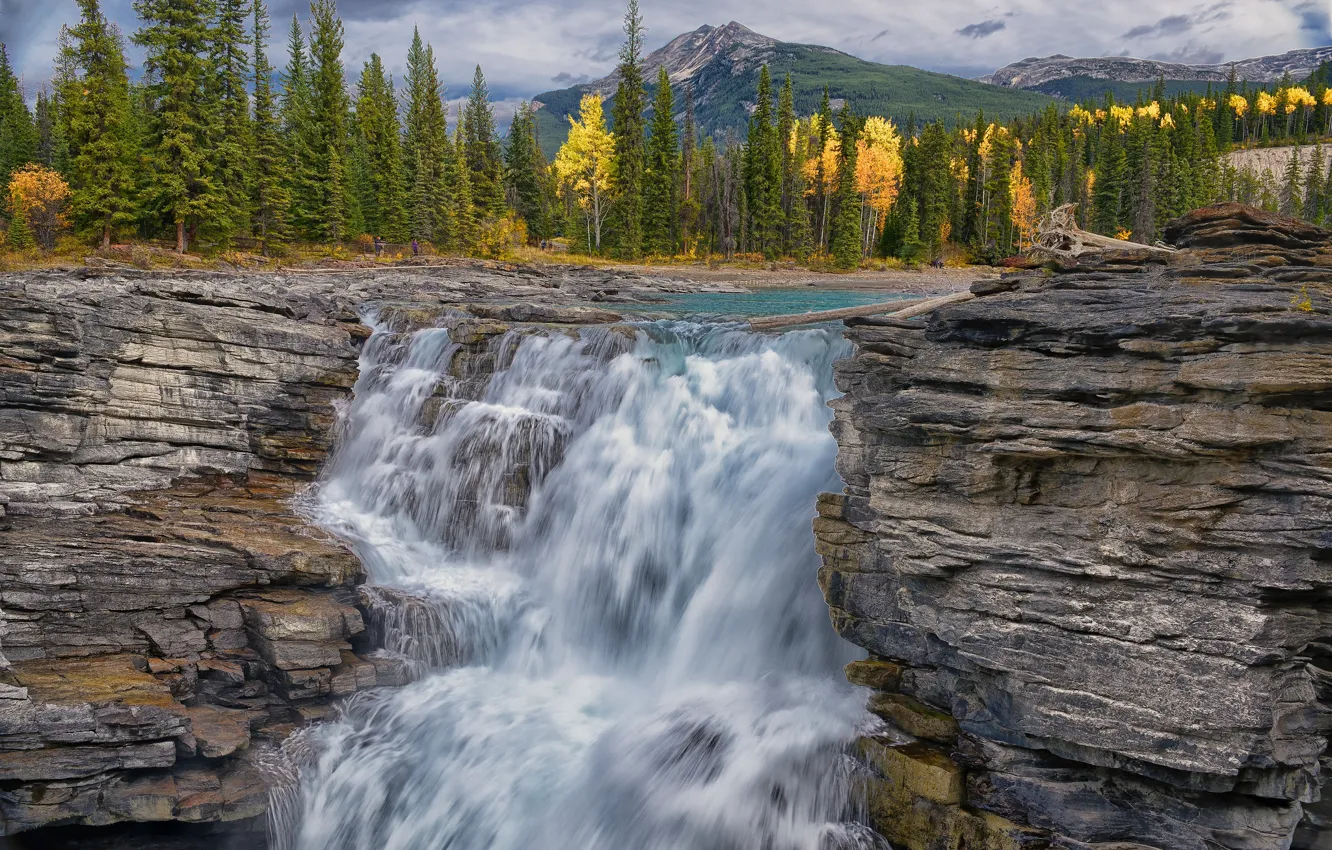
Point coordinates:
[[1089, 521], [165, 615]]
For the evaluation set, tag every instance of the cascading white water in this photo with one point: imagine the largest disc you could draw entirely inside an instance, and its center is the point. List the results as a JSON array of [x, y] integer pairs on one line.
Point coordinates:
[[603, 564]]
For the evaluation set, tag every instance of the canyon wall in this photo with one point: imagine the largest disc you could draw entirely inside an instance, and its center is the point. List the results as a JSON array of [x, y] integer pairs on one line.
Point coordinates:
[[1086, 538], [167, 615]]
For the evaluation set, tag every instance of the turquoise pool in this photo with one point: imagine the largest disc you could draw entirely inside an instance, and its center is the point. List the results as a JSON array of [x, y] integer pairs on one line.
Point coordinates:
[[769, 302]]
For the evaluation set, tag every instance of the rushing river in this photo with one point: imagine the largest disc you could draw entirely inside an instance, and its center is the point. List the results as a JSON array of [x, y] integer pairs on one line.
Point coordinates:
[[599, 561]]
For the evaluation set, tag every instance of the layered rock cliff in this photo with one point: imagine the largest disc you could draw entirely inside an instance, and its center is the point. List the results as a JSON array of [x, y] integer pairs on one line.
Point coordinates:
[[168, 615], [1086, 537]]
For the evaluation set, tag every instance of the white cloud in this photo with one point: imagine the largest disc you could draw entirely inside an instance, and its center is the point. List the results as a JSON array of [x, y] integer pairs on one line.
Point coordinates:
[[523, 46]]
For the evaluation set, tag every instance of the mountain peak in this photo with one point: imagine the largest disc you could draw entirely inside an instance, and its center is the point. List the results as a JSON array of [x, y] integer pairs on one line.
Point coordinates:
[[688, 54], [1033, 73]]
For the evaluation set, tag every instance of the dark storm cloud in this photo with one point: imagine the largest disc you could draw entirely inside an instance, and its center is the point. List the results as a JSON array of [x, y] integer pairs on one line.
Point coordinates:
[[984, 29], [1192, 54], [564, 78], [1172, 25]]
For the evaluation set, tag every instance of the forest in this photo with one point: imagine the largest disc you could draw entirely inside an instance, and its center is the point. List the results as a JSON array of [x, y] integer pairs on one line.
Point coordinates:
[[213, 147]]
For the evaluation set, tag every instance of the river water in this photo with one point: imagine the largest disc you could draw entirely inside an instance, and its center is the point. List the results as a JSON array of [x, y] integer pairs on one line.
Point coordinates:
[[599, 562]]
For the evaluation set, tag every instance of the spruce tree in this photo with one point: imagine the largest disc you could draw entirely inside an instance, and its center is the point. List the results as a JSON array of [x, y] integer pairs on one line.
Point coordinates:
[[467, 228], [384, 206], [270, 201], [44, 120], [102, 171], [763, 172], [18, 135], [296, 131], [427, 152], [176, 36], [630, 154], [1314, 202], [327, 181], [794, 212], [1109, 188], [232, 150], [524, 174], [690, 209], [482, 150], [846, 246], [1292, 186], [935, 186], [660, 198]]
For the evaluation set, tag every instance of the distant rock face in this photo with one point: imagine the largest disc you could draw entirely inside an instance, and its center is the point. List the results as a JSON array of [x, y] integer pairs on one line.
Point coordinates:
[[1033, 72], [1086, 538], [166, 617]]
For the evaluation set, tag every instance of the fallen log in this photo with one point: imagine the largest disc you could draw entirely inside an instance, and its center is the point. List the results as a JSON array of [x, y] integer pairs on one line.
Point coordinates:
[[894, 309], [1059, 236]]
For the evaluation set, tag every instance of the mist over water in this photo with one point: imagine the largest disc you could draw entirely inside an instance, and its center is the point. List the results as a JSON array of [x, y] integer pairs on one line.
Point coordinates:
[[599, 563]]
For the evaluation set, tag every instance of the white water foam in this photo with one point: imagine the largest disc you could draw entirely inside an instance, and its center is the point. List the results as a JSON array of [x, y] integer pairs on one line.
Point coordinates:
[[631, 654]]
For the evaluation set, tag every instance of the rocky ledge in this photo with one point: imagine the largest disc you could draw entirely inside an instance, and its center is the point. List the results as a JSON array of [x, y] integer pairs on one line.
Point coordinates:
[[168, 616], [1086, 538]]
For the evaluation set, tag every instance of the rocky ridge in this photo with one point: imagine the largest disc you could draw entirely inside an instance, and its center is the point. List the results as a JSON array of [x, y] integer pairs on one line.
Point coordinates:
[[1033, 72], [1085, 539], [168, 615]]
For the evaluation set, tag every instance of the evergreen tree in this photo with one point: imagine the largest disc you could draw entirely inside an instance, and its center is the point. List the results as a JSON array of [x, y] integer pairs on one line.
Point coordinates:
[[296, 131], [1292, 186], [44, 120], [270, 201], [467, 227], [232, 150], [660, 199], [1314, 201], [763, 172], [794, 211], [525, 174], [630, 154], [846, 245], [18, 135], [326, 182], [1109, 170], [102, 179], [384, 204], [690, 208], [176, 36], [935, 186], [482, 150], [427, 151]]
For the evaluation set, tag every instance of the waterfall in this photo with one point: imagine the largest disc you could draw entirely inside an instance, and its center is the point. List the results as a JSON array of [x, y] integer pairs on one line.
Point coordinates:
[[598, 561]]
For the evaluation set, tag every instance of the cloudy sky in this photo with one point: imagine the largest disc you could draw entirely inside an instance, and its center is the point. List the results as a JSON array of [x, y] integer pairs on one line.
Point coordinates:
[[530, 46]]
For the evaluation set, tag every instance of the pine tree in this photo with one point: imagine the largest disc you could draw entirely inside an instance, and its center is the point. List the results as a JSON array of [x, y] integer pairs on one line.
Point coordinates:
[[18, 135], [432, 174], [795, 213], [467, 228], [524, 174], [176, 37], [326, 181], [1314, 202], [763, 172], [1292, 186], [102, 178], [936, 186], [384, 205], [1109, 189], [296, 132], [232, 150], [482, 150], [630, 155], [270, 201], [846, 245], [690, 208], [44, 121], [660, 198]]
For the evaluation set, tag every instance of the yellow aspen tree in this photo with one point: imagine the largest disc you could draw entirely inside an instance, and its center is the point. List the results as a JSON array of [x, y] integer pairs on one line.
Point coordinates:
[[39, 195], [878, 174], [585, 163], [1240, 106], [1023, 205]]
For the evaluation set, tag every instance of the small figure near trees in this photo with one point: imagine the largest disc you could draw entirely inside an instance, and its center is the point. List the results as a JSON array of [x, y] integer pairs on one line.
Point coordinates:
[[416, 248]]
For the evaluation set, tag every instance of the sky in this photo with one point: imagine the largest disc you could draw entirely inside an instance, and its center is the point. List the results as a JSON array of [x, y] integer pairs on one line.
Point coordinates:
[[529, 46]]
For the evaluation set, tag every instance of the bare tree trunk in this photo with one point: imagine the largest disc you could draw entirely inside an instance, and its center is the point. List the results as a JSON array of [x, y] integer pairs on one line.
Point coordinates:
[[180, 236]]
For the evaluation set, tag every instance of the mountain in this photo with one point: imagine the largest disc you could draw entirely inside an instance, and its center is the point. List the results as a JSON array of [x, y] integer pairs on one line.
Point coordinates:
[[722, 64], [1075, 79]]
